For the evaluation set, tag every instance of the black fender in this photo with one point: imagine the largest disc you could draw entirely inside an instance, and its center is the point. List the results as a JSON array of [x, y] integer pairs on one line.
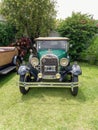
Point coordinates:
[[65, 71], [23, 69], [76, 70], [33, 71]]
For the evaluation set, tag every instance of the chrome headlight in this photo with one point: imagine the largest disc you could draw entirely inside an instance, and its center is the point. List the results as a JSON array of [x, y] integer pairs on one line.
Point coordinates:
[[64, 62], [34, 61]]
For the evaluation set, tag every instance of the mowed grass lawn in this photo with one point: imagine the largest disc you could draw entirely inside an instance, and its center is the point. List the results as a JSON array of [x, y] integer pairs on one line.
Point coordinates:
[[50, 108]]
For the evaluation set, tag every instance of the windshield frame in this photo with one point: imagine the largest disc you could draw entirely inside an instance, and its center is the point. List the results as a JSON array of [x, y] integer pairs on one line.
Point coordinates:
[[53, 44]]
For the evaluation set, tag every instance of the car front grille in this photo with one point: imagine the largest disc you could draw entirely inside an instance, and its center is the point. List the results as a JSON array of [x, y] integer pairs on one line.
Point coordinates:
[[49, 65]]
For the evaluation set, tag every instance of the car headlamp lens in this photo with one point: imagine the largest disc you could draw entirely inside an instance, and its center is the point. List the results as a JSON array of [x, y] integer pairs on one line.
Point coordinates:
[[34, 61], [64, 62]]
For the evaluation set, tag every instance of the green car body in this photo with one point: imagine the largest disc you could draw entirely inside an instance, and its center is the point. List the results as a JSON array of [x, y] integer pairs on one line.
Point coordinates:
[[59, 53], [50, 63]]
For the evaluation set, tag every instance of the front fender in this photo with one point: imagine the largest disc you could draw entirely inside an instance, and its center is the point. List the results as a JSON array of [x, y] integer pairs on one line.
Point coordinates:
[[76, 70], [33, 71], [23, 69]]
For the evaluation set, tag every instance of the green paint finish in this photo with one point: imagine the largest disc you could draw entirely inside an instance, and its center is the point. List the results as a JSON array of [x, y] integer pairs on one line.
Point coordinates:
[[59, 53]]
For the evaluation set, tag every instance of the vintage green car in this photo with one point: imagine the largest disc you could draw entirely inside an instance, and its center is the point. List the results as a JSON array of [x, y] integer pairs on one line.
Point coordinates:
[[50, 66]]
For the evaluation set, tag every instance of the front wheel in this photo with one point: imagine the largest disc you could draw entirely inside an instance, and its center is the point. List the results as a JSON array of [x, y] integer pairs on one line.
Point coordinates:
[[24, 78], [74, 90]]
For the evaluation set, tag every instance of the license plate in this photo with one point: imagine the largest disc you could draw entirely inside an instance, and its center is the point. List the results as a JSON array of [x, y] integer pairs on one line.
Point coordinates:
[[50, 68], [48, 77]]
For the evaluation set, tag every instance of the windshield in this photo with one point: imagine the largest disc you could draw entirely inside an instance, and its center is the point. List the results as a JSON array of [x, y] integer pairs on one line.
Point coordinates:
[[52, 45]]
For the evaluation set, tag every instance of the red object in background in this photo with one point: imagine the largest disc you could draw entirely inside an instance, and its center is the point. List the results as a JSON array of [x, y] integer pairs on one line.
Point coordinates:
[[23, 45]]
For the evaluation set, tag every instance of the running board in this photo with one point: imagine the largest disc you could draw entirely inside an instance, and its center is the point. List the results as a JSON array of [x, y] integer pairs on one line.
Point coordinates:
[[7, 70]]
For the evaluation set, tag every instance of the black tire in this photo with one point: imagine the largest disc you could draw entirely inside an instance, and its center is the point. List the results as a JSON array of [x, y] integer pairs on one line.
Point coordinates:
[[24, 78], [74, 90]]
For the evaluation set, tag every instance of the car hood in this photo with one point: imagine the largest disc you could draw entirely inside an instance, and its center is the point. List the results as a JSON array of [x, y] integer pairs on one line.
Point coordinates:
[[58, 53]]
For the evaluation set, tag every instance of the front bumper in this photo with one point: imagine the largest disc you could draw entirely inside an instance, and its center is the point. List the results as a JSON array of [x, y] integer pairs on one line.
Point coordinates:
[[49, 84]]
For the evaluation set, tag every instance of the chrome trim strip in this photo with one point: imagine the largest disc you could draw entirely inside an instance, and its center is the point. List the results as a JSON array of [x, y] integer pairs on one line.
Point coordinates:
[[49, 84]]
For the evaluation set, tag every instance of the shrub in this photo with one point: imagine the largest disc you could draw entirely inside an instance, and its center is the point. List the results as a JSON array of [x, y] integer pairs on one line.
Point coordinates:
[[91, 54], [81, 29], [7, 33]]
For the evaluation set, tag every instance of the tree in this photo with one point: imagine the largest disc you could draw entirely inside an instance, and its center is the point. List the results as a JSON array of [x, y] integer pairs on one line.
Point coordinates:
[[80, 28], [31, 17], [7, 33]]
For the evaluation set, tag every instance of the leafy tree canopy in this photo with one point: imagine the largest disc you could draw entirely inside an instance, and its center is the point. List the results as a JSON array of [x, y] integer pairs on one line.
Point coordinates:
[[31, 17]]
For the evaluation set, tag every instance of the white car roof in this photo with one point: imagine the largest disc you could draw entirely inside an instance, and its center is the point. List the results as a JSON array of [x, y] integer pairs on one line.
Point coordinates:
[[51, 38]]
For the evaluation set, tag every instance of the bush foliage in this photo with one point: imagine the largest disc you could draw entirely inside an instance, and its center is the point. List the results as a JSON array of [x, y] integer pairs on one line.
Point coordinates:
[[80, 28], [91, 54], [7, 33]]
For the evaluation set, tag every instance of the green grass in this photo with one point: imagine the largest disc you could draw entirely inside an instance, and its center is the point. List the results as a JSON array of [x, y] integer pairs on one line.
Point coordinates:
[[50, 108]]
